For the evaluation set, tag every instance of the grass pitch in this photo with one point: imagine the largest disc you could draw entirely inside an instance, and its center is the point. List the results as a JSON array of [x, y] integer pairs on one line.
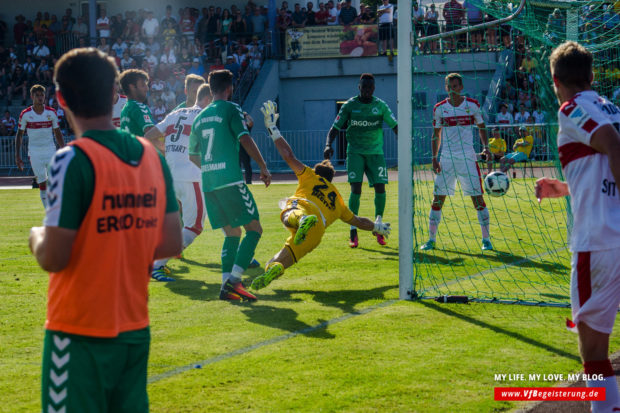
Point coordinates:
[[328, 336]]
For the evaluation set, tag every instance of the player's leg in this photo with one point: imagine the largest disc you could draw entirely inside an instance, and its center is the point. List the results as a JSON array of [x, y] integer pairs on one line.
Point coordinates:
[[470, 179], [445, 182], [355, 174], [595, 296], [376, 172], [39, 162]]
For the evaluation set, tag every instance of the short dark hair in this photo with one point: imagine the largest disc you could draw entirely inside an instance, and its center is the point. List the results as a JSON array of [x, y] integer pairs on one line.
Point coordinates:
[[192, 79], [454, 76], [219, 80], [37, 88], [367, 76], [325, 169], [86, 77], [203, 91], [131, 77], [571, 64], [503, 105]]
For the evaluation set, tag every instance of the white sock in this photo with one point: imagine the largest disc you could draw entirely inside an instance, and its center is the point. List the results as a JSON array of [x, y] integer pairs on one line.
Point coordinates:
[[43, 195], [483, 219], [160, 263], [188, 237], [236, 273], [612, 398], [225, 277], [433, 223]]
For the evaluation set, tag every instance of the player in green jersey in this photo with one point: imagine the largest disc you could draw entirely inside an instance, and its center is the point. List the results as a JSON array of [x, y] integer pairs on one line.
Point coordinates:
[[365, 115], [214, 147], [192, 83], [136, 116]]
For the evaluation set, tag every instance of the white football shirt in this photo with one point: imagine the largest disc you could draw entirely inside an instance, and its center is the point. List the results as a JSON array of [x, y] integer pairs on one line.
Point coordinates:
[[504, 118], [39, 128], [457, 123], [595, 197], [116, 110], [177, 127]]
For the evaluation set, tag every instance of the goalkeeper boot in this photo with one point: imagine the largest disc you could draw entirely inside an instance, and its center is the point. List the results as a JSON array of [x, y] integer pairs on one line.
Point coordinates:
[[305, 224], [230, 289], [273, 271], [159, 274], [429, 245], [254, 263], [353, 239], [486, 245]]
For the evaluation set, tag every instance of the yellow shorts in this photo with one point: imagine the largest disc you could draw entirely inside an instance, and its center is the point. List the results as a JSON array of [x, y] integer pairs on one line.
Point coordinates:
[[313, 239]]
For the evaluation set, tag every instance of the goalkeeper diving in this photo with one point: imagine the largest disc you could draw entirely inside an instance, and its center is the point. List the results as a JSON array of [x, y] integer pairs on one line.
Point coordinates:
[[315, 205]]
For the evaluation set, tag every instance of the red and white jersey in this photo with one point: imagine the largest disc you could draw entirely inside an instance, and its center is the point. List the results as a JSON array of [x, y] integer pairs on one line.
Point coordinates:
[[39, 128], [177, 127], [504, 118], [457, 123], [595, 197], [116, 110]]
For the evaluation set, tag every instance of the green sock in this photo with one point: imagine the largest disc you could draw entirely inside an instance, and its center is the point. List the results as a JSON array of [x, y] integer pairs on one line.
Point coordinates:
[[229, 253], [246, 250], [380, 203], [354, 202]]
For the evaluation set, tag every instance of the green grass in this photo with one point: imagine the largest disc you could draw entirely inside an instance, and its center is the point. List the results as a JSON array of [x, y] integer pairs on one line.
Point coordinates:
[[386, 355]]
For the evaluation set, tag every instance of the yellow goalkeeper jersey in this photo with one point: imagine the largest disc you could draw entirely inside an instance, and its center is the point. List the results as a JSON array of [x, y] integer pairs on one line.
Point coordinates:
[[497, 146], [529, 139], [315, 193]]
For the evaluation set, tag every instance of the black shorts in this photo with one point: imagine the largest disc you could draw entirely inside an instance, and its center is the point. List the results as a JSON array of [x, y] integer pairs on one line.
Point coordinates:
[[432, 28], [385, 31]]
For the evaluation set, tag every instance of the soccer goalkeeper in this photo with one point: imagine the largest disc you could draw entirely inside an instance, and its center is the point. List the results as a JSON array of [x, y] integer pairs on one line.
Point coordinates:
[[315, 205]]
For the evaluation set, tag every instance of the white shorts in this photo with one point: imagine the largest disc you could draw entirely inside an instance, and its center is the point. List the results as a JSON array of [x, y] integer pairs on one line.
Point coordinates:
[[595, 288], [465, 170], [192, 202], [39, 160]]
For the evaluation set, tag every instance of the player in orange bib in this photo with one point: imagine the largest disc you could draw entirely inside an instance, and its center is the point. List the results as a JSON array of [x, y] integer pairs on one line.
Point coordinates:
[[111, 210], [315, 205]]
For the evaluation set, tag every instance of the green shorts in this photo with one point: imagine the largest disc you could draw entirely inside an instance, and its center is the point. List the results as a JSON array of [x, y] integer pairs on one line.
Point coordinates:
[[90, 374], [371, 165], [233, 205]]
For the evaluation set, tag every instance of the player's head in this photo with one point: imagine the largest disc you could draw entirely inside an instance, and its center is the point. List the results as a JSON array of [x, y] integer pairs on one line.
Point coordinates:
[[496, 133], [325, 169], [522, 131], [221, 83], [366, 86], [571, 68], [203, 95], [192, 83], [37, 94], [135, 84], [84, 81], [454, 84]]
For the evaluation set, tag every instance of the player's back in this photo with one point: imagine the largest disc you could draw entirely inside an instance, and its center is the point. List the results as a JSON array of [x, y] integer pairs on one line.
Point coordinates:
[[39, 128], [457, 123], [177, 127], [216, 130], [323, 195], [595, 197]]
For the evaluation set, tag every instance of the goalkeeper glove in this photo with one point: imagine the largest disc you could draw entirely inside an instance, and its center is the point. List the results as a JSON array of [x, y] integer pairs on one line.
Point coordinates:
[[382, 228], [270, 112]]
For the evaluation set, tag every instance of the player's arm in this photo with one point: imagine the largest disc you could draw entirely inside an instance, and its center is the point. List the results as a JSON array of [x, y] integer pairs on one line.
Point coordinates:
[[250, 147], [194, 146], [270, 112], [389, 118], [52, 246], [381, 228], [171, 243], [339, 122], [435, 143], [58, 136], [155, 136], [606, 140], [18, 149]]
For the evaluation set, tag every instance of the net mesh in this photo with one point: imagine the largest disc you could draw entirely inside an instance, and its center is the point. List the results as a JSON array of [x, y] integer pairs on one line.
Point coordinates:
[[502, 65]]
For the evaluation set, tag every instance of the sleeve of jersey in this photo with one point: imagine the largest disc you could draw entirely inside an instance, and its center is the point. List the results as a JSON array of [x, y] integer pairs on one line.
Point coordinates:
[[584, 118], [194, 141], [22, 122], [478, 114], [388, 116], [70, 188], [436, 117], [346, 214], [171, 199], [342, 118], [163, 125], [147, 118], [237, 122], [54, 121]]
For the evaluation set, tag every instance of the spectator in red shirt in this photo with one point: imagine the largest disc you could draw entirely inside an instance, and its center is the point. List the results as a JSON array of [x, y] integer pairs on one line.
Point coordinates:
[[321, 15], [453, 13]]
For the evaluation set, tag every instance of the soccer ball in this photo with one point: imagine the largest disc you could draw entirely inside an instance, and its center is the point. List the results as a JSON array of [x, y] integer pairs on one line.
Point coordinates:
[[496, 183]]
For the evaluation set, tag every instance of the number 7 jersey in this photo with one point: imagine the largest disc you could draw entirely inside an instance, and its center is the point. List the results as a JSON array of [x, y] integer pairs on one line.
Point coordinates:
[[176, 127], [595, 196]]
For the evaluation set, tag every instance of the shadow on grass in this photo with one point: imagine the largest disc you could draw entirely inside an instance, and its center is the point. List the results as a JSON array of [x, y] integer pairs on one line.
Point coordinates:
[[507, 259], [500, 330], [194, 289], [212, 265], [383, 251], [425, 258], [285, 319]]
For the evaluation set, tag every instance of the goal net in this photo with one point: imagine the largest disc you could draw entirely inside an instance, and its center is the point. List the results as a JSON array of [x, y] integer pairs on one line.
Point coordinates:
[[505, 68]]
